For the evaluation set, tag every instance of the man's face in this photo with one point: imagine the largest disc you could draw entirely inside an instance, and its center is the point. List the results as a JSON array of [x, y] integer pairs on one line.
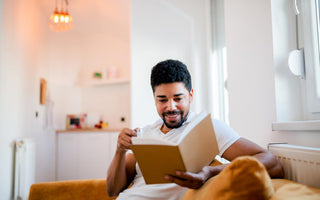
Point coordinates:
[[173, 103]]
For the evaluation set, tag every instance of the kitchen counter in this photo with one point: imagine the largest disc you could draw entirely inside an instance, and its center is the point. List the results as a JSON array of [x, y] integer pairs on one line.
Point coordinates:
[[88, 130]]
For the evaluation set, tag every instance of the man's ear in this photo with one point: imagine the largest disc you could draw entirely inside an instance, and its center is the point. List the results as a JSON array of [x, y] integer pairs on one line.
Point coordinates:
[[191, 95]]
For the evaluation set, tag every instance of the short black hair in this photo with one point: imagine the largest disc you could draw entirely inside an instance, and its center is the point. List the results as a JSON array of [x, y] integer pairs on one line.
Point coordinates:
[[170, 71]]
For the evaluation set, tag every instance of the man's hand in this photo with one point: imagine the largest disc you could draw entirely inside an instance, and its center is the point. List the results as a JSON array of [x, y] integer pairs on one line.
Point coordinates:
[[187, 179], [190, 180], [124, 139], [195, 180]]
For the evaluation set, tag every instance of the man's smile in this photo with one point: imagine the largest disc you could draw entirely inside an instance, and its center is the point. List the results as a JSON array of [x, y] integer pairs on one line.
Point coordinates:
[[172, 116]]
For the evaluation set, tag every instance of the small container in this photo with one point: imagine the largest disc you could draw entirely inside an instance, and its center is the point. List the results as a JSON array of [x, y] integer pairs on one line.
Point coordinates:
[[105, 73], [105, 125], [112, 72]]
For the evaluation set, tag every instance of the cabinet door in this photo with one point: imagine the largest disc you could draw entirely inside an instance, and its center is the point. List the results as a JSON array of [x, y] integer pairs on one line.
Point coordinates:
[[85, 155], [113, 138], [93, 151], [67, 156]]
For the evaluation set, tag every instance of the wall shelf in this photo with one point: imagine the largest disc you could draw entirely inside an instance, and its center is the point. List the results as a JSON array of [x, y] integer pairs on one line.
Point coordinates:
[[101, 82]]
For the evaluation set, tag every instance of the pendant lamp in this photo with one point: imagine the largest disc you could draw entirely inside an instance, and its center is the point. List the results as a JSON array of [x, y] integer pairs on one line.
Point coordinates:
[[61, 20]]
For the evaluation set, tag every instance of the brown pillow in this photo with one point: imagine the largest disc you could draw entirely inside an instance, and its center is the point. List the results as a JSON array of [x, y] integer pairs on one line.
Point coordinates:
[[295, 191], [244, 178]]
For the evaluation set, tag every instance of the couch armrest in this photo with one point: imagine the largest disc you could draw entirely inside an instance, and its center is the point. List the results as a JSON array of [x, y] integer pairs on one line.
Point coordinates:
[[67, 190]]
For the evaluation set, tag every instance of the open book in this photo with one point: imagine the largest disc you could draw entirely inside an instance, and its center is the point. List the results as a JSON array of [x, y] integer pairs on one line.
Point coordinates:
[[196, 148]]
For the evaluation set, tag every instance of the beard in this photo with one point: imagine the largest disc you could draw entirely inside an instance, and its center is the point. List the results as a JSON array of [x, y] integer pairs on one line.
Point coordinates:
[[173, 124]]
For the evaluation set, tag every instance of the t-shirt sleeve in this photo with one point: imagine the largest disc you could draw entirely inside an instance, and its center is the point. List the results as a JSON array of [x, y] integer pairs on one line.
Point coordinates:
[[225, 135]]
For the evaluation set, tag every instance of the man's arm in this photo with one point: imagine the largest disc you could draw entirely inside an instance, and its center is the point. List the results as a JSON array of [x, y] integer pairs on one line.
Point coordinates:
[[245, 147], [240, 148], [122, 169]]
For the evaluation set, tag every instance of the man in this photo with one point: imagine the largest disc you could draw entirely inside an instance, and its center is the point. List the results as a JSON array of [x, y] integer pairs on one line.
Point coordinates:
[[173, 94]]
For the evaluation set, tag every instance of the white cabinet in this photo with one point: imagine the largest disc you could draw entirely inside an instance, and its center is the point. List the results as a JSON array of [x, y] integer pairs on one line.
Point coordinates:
[[84, 155]]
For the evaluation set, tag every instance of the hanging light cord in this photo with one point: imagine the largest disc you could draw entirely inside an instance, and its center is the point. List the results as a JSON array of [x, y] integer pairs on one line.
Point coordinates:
[[67, 4]]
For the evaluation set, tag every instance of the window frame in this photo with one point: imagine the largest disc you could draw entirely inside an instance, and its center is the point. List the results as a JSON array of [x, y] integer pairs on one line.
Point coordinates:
[[311, 56]]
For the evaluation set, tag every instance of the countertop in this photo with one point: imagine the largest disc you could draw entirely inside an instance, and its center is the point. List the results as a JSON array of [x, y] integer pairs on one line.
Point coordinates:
[[88, 130]]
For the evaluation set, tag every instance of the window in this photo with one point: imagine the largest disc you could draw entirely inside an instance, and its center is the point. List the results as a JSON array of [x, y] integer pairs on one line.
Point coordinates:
[[317, 43], [297, 100], [310, 30], [219, 71]]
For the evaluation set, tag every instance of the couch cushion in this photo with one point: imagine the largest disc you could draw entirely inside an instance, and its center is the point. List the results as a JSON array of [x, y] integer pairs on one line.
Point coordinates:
[[67, 190], [244, 178], [290, 190]]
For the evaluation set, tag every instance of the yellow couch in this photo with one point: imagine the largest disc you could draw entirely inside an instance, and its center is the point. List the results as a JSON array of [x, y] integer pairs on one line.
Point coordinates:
[[245, 178], [96, 190]]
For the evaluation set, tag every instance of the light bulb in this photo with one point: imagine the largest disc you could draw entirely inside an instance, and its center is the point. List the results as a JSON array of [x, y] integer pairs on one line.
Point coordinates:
[[54, 21], [66, 18], [56, 18], [62, 17]]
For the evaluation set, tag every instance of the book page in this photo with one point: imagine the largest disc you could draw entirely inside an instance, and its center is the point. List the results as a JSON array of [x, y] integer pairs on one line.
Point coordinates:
[[150, 141], [200, 146], [191, 125]]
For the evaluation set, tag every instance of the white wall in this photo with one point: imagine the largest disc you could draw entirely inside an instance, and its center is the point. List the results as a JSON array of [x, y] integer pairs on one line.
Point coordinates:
[[99, 40], [252, 70], [30, 51], [160, 30], [113, 102], [22, 40]]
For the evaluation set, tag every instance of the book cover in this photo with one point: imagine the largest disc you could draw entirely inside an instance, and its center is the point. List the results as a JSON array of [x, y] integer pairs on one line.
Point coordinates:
[[196, 148]]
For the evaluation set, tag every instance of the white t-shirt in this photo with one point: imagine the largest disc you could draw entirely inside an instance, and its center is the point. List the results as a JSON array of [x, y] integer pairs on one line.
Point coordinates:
[[141, 191]]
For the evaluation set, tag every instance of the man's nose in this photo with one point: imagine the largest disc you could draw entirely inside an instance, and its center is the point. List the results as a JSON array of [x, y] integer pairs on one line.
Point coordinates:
[[172, 105]]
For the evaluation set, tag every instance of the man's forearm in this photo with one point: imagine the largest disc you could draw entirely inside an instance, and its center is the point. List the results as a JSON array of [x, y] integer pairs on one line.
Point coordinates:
[[272, 165], [116, 176]]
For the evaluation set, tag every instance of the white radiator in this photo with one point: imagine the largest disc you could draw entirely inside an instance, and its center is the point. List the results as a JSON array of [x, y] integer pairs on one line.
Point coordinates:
[[300, 164], [24, 172]]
